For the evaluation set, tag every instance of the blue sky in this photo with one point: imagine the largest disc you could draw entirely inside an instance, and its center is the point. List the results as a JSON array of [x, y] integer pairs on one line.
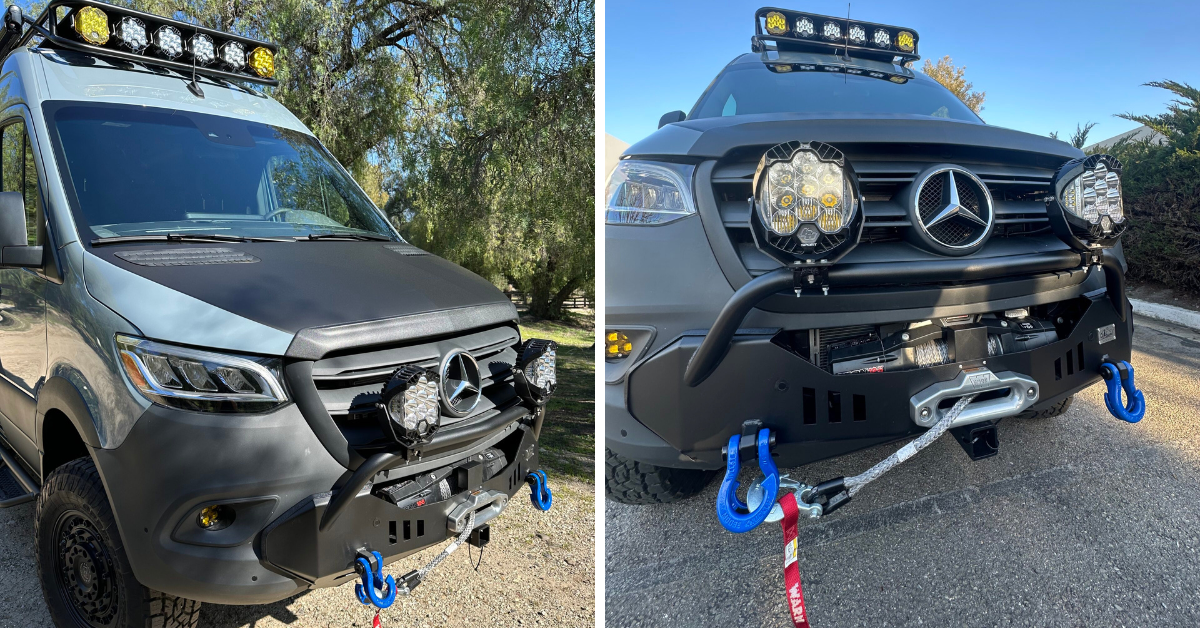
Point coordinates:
[[1045, 65]]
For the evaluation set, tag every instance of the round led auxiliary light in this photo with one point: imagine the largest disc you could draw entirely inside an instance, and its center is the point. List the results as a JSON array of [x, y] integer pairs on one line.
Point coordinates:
[[1087, 211], [536, 375], [806, 204], [411, 411]]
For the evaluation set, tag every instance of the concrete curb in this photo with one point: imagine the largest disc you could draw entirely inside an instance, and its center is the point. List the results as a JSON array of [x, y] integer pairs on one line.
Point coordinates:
[[1167, 313]]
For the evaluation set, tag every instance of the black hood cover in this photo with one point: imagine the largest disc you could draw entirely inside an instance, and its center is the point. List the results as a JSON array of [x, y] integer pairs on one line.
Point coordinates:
[[294, 286]]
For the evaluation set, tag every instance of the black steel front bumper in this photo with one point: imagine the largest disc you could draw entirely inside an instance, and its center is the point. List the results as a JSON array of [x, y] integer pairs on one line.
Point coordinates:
[[816, 414], [307, 544]]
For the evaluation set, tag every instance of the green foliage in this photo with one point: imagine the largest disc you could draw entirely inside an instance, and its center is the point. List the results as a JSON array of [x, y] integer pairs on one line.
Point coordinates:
[[1161, 189], [1079, 137]]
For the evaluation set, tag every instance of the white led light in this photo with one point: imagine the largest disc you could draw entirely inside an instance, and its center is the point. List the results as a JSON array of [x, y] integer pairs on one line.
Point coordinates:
[[168, 41], [1094, 196], [418, 406], [831, 31], [858, 35], [233, 55], [883, 39], [541, 372], [202, 49], [804, 27], [132, 33]]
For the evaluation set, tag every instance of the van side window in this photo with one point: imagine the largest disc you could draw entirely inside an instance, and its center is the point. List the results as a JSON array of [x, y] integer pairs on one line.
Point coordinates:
[[19, 174]]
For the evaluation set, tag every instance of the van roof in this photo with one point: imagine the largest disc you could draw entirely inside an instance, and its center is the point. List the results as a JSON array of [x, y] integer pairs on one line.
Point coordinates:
[[69, 75]]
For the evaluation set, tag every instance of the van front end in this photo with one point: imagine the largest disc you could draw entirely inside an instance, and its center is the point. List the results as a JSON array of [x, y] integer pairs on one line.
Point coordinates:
[[841, 279]]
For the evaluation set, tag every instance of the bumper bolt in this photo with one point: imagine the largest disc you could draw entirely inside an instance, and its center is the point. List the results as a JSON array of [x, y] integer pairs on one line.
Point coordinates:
[[904, 336], [1032, 392], [925, 413]]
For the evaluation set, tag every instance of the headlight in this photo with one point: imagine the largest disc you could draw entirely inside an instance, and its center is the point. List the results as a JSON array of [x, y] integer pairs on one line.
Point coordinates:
[[203, 381], [202, 49], [132, 33], [806, 204], [168, 41], [644, 193], [1087, 210], [410, 405], [233, 55], [536, 375]]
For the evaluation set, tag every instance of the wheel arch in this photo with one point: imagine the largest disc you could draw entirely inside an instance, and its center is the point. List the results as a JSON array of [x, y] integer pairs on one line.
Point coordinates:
[[65, 427]]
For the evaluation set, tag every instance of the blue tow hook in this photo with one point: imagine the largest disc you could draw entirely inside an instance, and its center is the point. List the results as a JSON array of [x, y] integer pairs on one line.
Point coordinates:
[[733, 514], [1118, 376], [374, 588], [539, 490]]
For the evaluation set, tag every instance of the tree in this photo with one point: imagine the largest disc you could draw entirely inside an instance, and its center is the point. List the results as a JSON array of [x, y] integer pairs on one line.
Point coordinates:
[[952, 78], [1160, 185], [1079, 137]]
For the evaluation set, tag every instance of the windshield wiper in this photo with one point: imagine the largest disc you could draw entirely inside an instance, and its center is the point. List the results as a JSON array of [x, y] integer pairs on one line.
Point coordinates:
[[183, 237], [345, 236]]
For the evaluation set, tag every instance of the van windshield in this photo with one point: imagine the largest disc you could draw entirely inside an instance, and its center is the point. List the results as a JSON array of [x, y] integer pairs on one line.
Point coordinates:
[[750, 88], [144, 171]]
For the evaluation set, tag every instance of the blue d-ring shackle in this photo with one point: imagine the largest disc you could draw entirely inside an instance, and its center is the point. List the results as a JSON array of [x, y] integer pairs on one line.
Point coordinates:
[[731, 512], [372, 580], [1136, 408], [539, 490]]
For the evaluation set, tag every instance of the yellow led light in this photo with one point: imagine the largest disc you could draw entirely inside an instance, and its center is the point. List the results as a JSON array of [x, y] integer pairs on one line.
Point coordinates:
[[786, 201], [617, 345], [262, 61], [807, 211], [830, 222], [904, 41], [776, 23], [783, 222], [898, 79], [92, 25], [808, 189], [829, 200]]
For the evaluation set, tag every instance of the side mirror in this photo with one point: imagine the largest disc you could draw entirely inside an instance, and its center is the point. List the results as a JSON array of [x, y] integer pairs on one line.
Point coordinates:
[[14, 253], [671, 118]]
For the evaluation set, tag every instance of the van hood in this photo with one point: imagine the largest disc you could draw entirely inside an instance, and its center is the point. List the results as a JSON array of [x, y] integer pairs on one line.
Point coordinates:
[[713, 138], [259, 295]]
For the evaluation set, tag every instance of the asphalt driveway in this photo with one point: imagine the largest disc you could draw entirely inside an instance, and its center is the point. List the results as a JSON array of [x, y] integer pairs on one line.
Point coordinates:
[[1081, 520]]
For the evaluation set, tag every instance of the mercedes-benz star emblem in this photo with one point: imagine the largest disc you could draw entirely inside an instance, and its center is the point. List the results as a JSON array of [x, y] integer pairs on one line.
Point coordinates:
[[954, 208], [460, 383]]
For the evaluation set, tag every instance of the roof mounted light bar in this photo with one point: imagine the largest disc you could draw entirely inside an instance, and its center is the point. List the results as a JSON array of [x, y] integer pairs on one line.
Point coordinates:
[[809, 32], [112, 44]]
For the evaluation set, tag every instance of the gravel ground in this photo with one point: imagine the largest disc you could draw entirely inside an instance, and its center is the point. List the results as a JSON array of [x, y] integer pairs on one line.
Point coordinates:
[[1081, 520], [538, 570]]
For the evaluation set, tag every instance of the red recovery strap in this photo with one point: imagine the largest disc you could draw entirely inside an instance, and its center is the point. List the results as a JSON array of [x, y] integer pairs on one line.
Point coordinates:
[[791, 565]]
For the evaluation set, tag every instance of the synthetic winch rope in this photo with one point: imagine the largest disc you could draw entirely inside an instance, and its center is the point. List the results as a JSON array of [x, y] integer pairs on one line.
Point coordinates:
[[462, 537], [855, 483]]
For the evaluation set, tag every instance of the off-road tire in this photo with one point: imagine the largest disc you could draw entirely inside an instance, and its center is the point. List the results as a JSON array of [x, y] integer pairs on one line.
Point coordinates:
[[1046, 413], [74, 493], [632, 482]]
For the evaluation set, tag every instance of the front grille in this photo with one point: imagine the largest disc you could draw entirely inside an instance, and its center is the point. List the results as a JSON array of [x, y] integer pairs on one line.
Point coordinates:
[[349, 383], [884, 172]]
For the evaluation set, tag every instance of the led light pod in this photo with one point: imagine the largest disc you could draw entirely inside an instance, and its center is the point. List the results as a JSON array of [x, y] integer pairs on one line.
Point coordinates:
[[262, 62], [202, 49], [905, 41], [804, 28], [882, 38], [1087, 210], [131, 32], [536, 374], [168, 41], [858, 35], [831, 31], [233, 55], [617, 345], [411, 412], [776, 23], [806, 204], [91, 24]]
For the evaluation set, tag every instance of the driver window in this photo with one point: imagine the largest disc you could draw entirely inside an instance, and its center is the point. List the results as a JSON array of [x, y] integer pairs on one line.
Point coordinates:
[[19, 174]]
